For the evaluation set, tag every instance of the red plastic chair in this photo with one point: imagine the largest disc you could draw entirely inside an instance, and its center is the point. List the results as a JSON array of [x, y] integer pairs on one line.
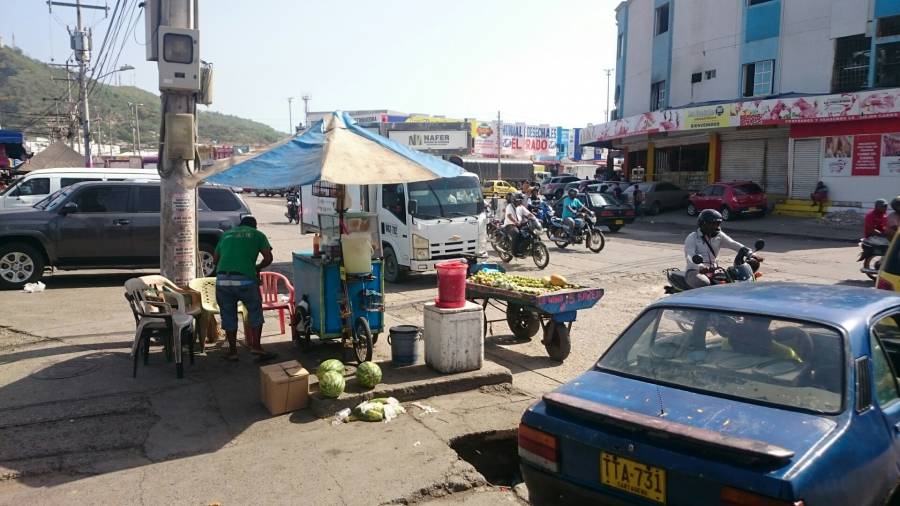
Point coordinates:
[[268, 288]]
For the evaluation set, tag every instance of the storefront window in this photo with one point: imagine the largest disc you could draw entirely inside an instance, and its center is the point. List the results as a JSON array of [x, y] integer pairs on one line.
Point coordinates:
[[887, 66]]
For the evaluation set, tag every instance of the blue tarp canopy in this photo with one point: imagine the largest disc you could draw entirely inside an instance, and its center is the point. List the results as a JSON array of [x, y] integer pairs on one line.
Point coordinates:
[[336, 150], [11, 137]]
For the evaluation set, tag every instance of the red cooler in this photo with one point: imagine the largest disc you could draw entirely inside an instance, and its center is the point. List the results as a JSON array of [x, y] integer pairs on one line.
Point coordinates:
[[451, 284]]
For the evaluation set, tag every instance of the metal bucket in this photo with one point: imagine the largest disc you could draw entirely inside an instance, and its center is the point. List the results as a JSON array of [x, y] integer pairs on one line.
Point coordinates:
[[404, 344]]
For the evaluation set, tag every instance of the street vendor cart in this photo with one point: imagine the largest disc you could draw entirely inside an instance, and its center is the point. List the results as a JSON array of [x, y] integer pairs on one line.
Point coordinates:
[[526, 314]]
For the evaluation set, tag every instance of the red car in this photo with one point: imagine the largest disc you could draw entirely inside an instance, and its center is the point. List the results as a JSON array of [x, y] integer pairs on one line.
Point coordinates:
[[730, 199]]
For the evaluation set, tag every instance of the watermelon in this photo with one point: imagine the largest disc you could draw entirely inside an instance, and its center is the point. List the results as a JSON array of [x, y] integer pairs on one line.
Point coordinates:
[[331, 384], [368, 374], [330, 365]]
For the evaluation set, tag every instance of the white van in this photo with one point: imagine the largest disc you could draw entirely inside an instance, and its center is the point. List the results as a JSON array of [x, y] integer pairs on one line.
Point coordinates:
[[36, 185]]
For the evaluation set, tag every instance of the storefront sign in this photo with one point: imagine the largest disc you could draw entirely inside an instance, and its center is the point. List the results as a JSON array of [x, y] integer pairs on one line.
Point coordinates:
[[866, 155], [838, 159], [518, 140], [435, 140], [778, 111], [890, 154]]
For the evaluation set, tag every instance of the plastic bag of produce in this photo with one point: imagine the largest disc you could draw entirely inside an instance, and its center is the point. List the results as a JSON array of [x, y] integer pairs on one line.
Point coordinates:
[[369, 411]]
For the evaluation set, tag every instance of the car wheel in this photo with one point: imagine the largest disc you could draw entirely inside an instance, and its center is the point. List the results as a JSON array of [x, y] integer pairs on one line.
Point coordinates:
[[726, 213], [207, 265], [691, 210], [20, 264], [655, 208], [392, 271]]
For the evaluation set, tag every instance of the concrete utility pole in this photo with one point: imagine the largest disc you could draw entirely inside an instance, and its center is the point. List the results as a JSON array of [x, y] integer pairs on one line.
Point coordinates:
[[178, 174], [80, 40], [291, 130], [499, 148], [306, 98], [608, 73], [137, 128]]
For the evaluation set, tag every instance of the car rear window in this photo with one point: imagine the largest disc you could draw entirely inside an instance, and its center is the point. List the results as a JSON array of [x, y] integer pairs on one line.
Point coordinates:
[[756, 358], [220, 199], [747, 189]]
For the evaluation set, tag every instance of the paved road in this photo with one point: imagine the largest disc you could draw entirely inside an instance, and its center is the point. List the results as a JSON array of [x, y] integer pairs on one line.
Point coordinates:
[[65, 381]]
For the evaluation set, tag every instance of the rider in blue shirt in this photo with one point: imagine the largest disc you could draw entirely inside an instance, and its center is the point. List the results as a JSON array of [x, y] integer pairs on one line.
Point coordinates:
[[570, 208]]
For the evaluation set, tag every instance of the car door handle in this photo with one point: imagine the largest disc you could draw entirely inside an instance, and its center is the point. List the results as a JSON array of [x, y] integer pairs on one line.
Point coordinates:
[[121, 222]]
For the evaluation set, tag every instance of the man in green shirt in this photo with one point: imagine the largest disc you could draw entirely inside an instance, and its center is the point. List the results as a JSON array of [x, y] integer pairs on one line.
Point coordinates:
[[237, 279]]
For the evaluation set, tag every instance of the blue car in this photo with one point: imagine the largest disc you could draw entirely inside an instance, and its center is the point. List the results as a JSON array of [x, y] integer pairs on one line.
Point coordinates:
[[756, 394]]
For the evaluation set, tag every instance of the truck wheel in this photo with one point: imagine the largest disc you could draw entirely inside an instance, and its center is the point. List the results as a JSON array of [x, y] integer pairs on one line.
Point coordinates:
[[392, 271], [20, 263], [207, 266]]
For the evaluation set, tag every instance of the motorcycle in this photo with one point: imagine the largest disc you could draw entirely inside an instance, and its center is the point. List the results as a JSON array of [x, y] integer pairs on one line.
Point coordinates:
[[544, 213], [585, 230], [293, 208], [494, 231], [742, 271], [529, 244], [871, 255]]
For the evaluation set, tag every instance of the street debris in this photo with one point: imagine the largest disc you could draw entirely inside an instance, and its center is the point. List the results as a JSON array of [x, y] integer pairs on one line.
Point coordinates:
[[843, 219], [426, 409], [381, 409], [34, 287]]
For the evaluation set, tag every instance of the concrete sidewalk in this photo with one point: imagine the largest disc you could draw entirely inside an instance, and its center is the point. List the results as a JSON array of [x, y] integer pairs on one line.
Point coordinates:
[[806, 228]]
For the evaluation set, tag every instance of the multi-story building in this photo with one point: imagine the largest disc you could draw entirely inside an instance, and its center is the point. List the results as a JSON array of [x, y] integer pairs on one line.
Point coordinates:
[[782, 92]]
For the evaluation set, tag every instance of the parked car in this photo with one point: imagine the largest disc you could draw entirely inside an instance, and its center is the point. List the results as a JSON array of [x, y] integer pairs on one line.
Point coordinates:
[[267, 192], [731, 199], [497, 187], [889, 275], [553, 188], [39, 184], [766, 393], [610, 212], [103, 225], [581, 186], [660, 196]]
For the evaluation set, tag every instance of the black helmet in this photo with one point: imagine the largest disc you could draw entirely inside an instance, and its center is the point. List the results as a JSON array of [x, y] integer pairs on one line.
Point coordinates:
[[709, 216], [881, 203], [895, 204], [518, 197], [572, 191]]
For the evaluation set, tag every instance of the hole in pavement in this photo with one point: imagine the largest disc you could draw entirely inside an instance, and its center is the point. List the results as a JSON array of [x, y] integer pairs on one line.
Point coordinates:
[[493, 454]]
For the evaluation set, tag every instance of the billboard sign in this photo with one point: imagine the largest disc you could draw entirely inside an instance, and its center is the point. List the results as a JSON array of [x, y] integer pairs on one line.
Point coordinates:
[[432, 140]]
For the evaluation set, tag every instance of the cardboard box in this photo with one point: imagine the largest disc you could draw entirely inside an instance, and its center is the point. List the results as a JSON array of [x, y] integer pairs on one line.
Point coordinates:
[[284, 387]]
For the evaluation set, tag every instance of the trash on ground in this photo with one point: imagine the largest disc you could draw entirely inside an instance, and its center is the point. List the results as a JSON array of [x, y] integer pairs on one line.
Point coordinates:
[[341, 416], [426, 409], [34, 287], [376, 410]]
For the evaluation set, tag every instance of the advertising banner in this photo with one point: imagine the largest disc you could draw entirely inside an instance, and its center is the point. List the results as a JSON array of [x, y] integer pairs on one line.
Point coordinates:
[[433, 140], [838, 159], [866, 155], [714, 116], [890, 155], [519, 140]]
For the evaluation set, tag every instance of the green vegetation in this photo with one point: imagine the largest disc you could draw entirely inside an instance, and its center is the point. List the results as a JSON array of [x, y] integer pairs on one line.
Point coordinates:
[[30, 101]]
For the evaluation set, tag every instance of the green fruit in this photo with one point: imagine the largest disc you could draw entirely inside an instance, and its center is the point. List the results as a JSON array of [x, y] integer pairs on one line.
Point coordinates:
[[331, 384], [368, 374], [330, 365]]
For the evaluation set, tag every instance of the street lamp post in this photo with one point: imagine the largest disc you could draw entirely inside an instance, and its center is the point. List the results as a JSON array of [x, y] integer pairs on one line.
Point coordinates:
[[291, 115], [137, 127]]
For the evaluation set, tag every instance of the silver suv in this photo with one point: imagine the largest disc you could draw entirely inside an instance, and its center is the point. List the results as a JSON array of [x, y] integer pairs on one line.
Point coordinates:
[[103, 225]]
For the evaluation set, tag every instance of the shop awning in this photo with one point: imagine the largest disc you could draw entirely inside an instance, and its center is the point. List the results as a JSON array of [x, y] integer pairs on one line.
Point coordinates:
[[14, 143]]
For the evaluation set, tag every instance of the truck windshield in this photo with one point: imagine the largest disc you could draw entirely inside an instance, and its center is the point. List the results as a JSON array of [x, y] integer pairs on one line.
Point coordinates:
[[449, 197]]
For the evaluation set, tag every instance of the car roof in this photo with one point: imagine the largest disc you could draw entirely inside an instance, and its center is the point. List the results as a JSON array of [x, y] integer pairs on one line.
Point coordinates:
[[91, 170], [142, 183], [842, 306]]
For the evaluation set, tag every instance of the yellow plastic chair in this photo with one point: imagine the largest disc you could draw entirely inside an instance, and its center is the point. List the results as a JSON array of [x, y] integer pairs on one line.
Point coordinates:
[[210, 308]]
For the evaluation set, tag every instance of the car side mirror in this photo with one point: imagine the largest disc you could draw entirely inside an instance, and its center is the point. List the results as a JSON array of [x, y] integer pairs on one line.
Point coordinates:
[[70, 207], [412, 207], [759, 244], [697, 259]]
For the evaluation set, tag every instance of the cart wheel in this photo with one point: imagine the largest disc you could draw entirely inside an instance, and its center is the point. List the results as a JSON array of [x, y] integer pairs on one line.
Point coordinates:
[[523, 322], [362, 340], [303, 339], [557, 342]]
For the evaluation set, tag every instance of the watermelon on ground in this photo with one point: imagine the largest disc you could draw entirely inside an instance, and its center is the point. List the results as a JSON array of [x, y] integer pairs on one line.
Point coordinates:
[[331, 364], [368, 374], [331, 384]]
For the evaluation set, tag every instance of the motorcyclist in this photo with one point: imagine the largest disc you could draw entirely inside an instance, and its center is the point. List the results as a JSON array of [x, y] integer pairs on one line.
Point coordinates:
[[893, 219], [513, 217], [570, 209], [876, 224], [706, 241], [293, 202]]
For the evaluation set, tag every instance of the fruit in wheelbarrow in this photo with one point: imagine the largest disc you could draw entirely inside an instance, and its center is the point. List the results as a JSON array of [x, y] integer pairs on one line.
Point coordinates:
[[557, 280], [331, 384], [331, 364], [368, 374]]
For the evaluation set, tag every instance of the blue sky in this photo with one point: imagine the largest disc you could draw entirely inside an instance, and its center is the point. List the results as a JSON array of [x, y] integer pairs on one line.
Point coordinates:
[[535, 61]]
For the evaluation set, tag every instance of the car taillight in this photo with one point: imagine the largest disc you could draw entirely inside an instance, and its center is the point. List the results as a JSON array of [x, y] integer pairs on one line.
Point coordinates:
[[606, 213], [538, 448], [629, 213], [736, 497], [884, 285]]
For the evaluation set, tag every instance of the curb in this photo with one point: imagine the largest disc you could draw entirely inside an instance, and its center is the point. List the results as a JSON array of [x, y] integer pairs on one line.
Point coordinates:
[[407, 384]]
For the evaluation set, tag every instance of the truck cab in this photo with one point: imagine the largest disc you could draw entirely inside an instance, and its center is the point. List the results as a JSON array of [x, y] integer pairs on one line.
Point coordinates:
[[427, 222]]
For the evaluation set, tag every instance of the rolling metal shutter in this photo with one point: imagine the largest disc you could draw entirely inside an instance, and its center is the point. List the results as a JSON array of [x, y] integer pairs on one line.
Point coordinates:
[[776, 170], [742, 160], [805, 173]]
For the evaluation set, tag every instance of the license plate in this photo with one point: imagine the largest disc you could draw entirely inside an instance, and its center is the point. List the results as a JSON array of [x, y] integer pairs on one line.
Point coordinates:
[[620, 222], [752, 209], [633, 477]]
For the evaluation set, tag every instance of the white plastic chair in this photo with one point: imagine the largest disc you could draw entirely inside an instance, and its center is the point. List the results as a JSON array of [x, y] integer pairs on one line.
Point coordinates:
[[154, 315]]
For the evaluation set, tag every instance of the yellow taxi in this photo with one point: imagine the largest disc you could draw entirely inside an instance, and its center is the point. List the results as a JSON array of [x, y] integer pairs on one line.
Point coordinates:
[[498, 187], [889, 275]]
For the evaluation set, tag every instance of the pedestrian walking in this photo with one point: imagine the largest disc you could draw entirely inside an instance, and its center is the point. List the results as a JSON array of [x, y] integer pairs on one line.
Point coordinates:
[[638, 198], [237, 280]]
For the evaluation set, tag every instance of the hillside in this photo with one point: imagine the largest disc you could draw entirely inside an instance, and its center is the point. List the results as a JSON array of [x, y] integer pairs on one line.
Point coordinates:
[[30, 101]]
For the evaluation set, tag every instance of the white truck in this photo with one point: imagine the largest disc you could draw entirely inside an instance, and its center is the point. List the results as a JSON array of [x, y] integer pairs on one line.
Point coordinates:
[[422, 223]]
